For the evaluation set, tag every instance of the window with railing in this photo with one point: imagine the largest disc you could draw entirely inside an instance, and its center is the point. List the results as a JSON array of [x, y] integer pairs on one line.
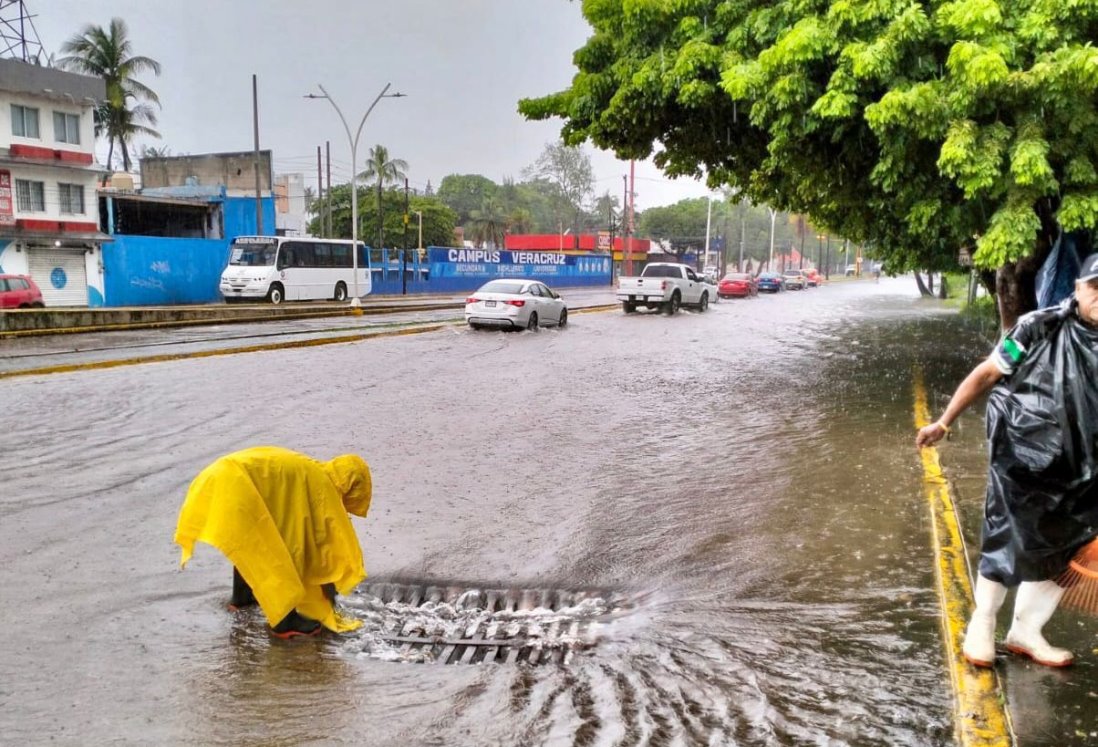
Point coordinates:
[[30, 197], [71, 198]]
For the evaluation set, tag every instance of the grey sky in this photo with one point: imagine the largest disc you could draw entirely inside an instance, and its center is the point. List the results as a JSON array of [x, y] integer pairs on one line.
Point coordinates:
[[462, 63]]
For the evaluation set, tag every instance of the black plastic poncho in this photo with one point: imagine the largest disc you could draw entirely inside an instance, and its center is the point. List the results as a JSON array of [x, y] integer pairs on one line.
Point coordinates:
[[1042, 427]]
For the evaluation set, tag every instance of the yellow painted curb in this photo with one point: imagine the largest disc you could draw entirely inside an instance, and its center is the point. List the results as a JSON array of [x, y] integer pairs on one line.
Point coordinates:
[[222, 351], [981, 719]]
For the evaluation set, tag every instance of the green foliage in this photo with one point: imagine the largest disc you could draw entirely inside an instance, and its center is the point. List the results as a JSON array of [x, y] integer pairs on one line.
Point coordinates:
[[439, 220], [128, 109], [914, 126]]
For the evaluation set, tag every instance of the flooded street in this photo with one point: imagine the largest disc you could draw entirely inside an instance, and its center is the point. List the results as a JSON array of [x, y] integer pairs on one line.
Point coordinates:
[[745, 478]]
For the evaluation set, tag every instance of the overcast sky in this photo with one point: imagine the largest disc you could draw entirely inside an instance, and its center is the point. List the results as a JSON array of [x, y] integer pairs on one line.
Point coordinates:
[[463, 64]]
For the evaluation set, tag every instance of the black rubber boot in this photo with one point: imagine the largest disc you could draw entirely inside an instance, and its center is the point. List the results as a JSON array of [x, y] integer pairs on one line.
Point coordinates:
[[242, 593], [294, 625]]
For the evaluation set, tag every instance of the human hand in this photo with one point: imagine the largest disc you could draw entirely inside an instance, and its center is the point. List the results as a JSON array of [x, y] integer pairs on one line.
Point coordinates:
[[931, 434]]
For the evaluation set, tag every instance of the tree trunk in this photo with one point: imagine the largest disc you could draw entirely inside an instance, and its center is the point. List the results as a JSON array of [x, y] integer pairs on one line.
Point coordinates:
[[930, 282], [923, 291], [943, 291], [1016, 282]]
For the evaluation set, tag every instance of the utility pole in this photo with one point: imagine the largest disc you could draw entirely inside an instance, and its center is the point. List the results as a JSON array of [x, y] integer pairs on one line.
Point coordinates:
[[255, 127], [800, 228], [404, 262], [632, 228], [827, 264], [328, 191], [625, 266], [319, 195], [708, 221], [743, 234], [773, 215]]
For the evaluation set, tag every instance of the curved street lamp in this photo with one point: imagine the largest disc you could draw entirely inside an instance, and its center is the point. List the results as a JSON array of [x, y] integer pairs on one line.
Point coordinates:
[[353, 140]]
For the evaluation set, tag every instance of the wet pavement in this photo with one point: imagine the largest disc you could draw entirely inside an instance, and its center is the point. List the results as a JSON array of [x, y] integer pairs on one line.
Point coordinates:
[[746, 477]]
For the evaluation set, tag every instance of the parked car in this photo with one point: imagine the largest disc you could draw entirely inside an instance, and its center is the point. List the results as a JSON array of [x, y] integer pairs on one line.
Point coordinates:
[[515, 304], [664, 285], [771, 282], [19, 292], [738, 285], [813, 278], [851, 270], [795, 280]]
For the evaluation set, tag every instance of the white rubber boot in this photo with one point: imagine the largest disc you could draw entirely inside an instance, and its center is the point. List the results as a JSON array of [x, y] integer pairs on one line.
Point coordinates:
[[1034, 605], [979, 645]]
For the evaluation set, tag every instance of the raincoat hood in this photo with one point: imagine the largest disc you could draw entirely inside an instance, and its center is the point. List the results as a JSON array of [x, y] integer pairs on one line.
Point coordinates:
[[351, 476], [281, 519]]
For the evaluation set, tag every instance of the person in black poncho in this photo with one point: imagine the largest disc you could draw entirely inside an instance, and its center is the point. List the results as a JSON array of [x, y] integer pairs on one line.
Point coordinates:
[[1042, 494]]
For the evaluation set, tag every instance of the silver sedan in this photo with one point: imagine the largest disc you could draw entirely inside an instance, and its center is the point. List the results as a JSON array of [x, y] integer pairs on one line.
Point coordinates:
[[515, 304]]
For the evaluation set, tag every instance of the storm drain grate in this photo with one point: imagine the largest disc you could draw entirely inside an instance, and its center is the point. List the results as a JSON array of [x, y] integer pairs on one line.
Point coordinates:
[[457, 624]]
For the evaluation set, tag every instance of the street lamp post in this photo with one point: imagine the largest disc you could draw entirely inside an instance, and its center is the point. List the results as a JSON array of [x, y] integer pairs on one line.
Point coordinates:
[[353, 140], [419, 214], [773, 215]]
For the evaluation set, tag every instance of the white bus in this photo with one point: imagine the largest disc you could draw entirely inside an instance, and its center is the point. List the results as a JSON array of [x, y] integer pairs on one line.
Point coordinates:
[[290, 268]]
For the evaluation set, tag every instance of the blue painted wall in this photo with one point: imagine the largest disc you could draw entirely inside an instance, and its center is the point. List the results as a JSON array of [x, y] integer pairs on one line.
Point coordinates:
[[239, 213], [453, 270], [154, 271]]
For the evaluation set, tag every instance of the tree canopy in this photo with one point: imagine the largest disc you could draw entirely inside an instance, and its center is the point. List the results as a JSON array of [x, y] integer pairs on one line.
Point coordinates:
[[922, 126], [128, 109]]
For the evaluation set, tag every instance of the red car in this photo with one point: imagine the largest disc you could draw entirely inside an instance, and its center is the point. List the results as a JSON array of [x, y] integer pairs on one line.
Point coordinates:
[[815, 279], [739, 284], [19, 292]]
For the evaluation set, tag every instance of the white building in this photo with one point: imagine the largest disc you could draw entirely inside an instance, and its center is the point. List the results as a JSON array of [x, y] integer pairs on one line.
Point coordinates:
[[49, 213]]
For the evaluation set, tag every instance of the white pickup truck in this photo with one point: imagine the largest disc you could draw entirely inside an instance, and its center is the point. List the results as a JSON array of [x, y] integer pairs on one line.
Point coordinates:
[[666, 286]]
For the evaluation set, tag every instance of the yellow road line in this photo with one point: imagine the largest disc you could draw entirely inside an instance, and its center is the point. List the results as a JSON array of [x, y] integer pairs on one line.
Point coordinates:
[[209, 321], [68, 368], [222, 351], [981, 718]]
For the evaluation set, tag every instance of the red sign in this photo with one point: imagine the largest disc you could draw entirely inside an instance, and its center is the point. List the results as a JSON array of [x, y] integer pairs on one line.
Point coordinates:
[[7, 211]]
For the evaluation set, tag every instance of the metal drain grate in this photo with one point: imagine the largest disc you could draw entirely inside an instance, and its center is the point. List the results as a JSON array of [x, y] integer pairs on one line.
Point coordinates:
[[458, 624]]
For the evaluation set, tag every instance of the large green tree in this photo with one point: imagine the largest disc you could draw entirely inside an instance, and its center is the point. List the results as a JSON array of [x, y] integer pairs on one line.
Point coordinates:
[[129, 107], [466, 193], [384, 171], [568, 169], [923, 126]]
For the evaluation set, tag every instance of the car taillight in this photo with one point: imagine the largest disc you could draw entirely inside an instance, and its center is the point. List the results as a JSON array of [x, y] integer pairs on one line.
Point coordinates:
[[471, 299], [516, 303]]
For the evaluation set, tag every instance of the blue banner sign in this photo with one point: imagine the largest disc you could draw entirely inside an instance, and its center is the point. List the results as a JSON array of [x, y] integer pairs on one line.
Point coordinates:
[[550, 267]]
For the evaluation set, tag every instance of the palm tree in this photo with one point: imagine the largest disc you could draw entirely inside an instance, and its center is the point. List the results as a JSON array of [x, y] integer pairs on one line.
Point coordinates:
[[128, 109], [386, 171], [488, 224]]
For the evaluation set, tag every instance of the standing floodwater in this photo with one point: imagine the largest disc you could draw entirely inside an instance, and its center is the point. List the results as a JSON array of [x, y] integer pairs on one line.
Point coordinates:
[[744, 478]]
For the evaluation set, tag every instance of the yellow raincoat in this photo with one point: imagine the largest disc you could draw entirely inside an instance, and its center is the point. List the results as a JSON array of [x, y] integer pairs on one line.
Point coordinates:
[[281, 518]]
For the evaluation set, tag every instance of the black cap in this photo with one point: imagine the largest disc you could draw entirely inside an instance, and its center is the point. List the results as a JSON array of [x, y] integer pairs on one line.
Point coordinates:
[[1089, 269]]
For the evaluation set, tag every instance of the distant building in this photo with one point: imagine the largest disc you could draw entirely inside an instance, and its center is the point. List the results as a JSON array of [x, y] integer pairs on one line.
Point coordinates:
[[291, 218], [49, 222], [233, 171]]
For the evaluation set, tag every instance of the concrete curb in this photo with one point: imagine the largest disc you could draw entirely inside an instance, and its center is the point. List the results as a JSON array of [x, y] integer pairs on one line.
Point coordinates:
[[980, 717]]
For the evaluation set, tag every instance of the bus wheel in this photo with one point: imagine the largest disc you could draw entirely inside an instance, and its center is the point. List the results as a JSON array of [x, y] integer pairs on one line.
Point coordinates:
[[341, 292], [275, 294]]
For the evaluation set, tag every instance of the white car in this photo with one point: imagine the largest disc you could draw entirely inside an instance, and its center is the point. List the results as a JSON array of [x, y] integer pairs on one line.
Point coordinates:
[[515, 304]]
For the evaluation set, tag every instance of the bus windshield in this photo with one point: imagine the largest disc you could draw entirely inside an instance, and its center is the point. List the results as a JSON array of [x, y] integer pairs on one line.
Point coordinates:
[[253, 254]]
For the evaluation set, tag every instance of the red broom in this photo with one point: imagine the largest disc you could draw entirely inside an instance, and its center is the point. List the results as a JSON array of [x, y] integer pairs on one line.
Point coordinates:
[[1080, 580]]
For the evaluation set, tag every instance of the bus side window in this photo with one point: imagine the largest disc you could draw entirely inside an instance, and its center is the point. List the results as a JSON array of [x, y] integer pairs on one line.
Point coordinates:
[[286, 258]]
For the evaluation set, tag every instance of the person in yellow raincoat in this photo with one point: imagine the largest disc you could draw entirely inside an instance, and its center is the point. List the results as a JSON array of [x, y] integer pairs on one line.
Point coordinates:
[[281, 518]]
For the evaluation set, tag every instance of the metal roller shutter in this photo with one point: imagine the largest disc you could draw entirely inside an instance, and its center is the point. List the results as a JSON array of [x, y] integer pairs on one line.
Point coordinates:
[[51, 268]]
